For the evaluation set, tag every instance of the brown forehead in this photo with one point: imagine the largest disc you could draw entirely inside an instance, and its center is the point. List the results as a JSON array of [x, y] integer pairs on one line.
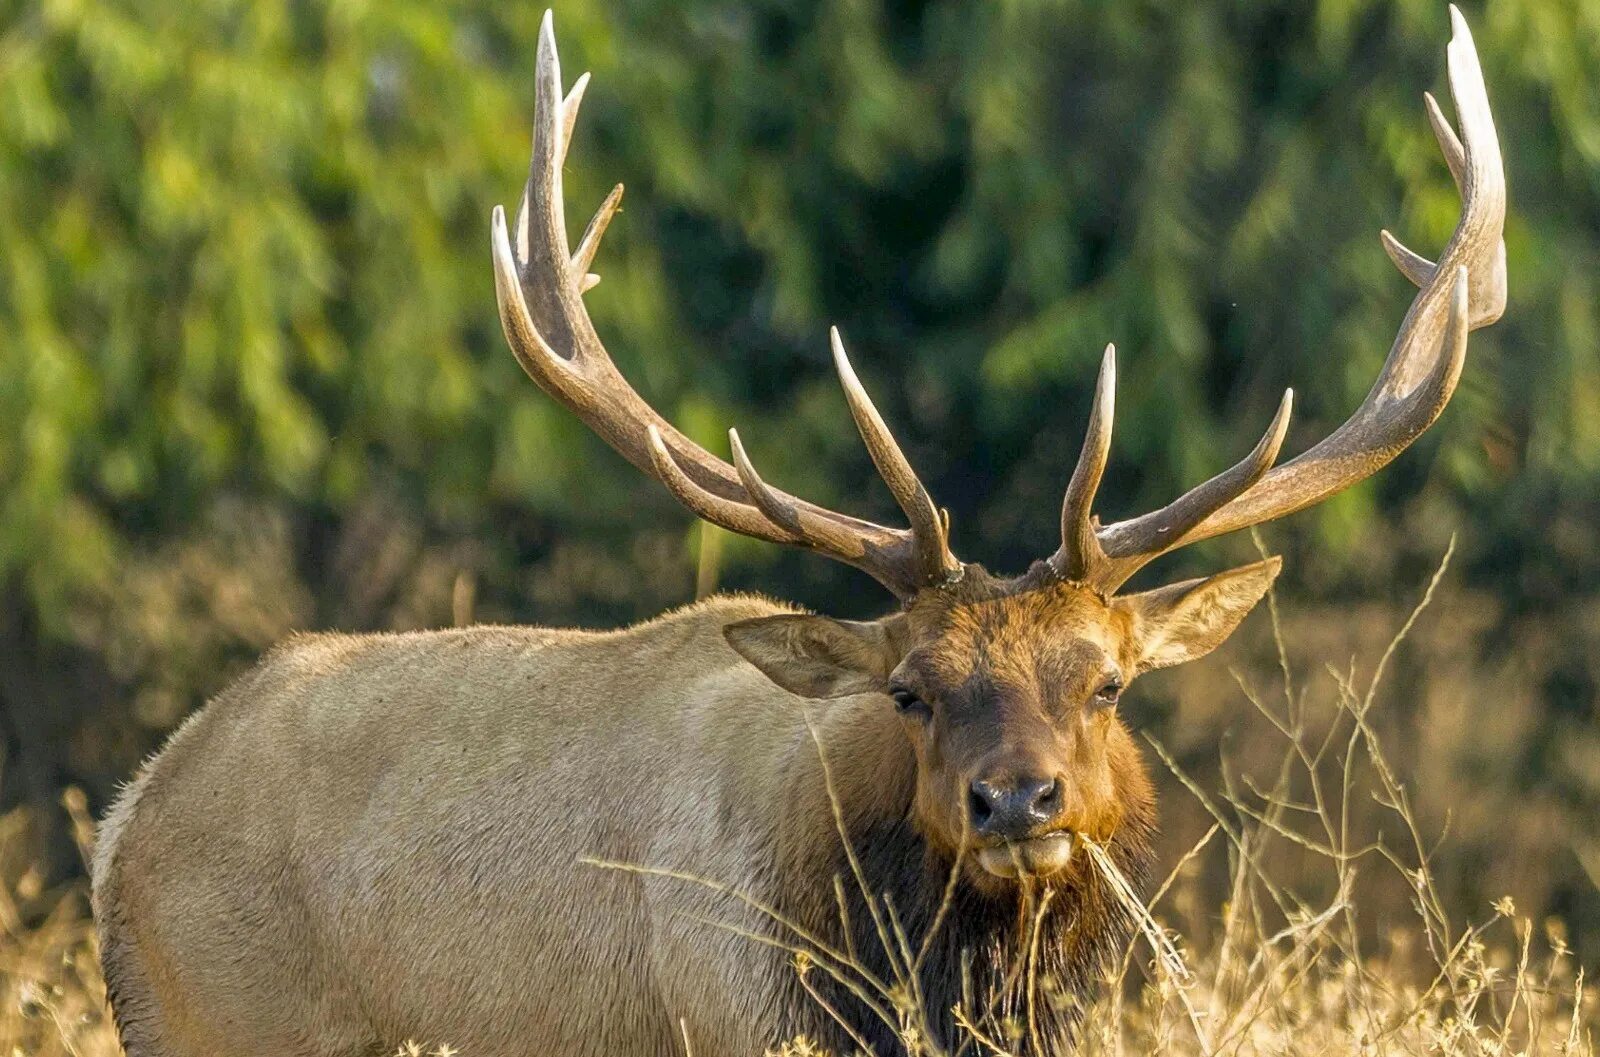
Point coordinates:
[[1050, 632]]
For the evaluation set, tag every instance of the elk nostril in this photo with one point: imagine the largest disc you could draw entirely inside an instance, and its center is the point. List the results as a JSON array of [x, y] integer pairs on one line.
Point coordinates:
[[1048, 802], [979, 803]]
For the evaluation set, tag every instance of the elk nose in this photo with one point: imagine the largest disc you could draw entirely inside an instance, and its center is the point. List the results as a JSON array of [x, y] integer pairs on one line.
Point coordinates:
[[1013, 809]]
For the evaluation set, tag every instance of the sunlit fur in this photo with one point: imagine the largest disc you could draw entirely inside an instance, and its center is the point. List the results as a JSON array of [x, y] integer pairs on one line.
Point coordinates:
[[1010, 674], [369, 838]]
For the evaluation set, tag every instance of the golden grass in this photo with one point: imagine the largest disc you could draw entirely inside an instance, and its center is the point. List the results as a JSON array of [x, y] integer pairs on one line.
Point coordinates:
[[1286, 962], [52, 1001]]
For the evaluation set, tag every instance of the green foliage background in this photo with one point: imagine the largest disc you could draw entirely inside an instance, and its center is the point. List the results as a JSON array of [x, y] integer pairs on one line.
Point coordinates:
[[253, 380]]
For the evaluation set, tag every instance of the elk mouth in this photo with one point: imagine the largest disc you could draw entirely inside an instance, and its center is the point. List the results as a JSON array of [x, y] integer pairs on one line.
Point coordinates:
[[1034, 857]]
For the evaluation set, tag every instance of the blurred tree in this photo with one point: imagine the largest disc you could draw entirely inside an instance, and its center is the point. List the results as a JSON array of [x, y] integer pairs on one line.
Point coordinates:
[[254, 380]]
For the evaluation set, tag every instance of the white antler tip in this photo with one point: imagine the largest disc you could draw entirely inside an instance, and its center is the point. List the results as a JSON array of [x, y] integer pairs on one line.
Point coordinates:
[[1280, 421], [545, 58], [840, 360], [500, 241], [1461, 49], [1271, 442], [1106, 385]]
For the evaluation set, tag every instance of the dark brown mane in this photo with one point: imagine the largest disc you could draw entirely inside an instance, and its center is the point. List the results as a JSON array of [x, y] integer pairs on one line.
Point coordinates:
[[980, 946]]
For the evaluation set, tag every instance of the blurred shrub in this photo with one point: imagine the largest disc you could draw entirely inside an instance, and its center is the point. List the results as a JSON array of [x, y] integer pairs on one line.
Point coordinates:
[[254, 381]]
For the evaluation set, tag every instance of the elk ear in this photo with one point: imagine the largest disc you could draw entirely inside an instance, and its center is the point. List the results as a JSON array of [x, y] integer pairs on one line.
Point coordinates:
[[1183, 621], [818, 656]]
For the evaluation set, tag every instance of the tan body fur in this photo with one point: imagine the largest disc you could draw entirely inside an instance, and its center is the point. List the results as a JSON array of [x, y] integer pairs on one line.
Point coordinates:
[[374, 838]]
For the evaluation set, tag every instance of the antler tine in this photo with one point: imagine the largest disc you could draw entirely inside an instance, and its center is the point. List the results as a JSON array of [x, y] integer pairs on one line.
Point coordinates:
[[1455, 155], [708, 506], [927, 527], [766, 500], [569, 109], [1412, 265], [589, 245], [549, 368], [1483, 183], [1464, 291], [1199, 503], [1475, 166], [539, 286], [834, 537], [543, 192], [1080, 554]]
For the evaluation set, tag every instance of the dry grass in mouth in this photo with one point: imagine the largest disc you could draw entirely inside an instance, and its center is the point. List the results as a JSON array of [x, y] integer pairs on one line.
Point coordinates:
[[1287, 964]]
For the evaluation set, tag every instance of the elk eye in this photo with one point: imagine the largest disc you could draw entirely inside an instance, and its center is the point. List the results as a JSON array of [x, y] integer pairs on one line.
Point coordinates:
[[1108, 693], [907, 701]]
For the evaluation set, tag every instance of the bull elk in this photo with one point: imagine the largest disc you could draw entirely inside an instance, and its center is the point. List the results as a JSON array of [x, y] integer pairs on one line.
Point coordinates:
[[370, 837]]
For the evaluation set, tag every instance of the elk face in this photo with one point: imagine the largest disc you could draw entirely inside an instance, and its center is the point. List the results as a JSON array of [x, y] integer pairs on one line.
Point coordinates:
[[1008, 691]]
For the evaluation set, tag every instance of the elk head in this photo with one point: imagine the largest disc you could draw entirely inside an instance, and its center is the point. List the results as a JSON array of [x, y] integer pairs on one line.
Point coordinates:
[[1008, 687]]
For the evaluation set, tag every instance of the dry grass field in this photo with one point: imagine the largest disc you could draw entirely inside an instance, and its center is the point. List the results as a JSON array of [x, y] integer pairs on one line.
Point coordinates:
[[1291, 960]]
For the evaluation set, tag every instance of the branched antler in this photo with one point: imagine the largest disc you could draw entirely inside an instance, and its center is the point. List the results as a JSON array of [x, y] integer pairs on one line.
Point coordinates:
[[1465, 290], [540, 286]]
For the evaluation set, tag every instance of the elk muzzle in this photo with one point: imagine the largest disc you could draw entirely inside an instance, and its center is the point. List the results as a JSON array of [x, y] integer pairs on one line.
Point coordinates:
[[1014, 819]]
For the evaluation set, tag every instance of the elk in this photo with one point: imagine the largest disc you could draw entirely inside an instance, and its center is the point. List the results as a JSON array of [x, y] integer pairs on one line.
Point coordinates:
[[373, 837]]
